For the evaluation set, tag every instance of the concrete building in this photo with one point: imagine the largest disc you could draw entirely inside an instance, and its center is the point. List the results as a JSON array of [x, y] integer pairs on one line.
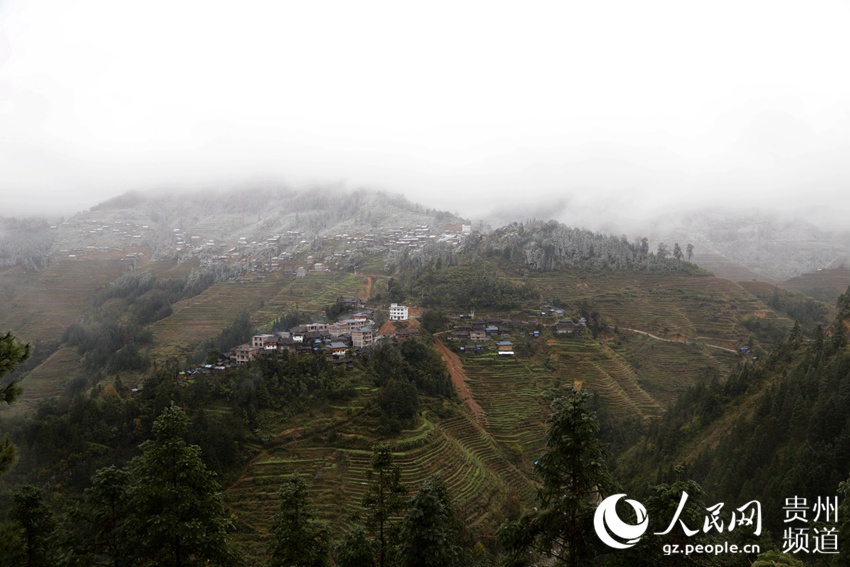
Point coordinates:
[[398, 312]]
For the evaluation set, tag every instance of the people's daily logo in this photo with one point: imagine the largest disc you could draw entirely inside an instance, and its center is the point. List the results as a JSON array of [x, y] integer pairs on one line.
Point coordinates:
[[609, 525]]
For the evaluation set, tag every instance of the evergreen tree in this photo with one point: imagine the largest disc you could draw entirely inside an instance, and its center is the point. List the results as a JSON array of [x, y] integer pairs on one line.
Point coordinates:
[[434, 320], [355, 550], [12, 353], [177, 516], [297, 541], [384, 500], [430, 534], [32, 514], [98, 523], [575, 479], [12, 546]]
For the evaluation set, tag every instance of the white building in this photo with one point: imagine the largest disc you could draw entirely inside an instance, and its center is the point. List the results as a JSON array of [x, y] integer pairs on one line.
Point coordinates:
[[398, 312]]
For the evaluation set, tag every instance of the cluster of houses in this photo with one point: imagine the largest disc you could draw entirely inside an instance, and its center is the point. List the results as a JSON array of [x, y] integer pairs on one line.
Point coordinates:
[[80, 237], [271, 252], [339, 341], [500, 331], [351, 336], [278, 252]]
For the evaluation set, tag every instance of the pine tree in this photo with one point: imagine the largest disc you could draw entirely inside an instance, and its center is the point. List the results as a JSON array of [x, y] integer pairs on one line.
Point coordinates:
[[575, 479], [177, 516], [32, 514], [355, 550], [297, 541], [385, 498], [12, 353], [104, 513], [430, 534]]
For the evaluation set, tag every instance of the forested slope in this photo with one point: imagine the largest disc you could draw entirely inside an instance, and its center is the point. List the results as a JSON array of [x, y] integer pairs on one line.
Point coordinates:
[[773, 429]]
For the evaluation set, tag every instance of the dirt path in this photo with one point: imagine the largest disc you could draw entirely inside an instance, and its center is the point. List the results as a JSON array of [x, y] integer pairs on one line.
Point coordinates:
[[459, 381], [673, 341], [366, 293]]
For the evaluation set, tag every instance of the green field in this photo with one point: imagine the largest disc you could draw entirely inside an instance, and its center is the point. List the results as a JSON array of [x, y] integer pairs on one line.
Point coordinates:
[[477, 472], [40, 306]]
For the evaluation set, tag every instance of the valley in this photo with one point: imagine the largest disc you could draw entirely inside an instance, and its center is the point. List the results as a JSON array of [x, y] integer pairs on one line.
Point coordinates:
[[639, 337]]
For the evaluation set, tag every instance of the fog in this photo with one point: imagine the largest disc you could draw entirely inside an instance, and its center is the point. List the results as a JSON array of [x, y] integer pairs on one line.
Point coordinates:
[[596, 113]]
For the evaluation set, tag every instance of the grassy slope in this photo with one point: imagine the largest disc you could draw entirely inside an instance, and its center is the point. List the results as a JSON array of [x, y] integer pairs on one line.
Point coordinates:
[[202, 317], [38, 307], [825, 285]]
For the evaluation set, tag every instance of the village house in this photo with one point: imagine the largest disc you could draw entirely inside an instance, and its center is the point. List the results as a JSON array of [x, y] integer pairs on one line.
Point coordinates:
[[362, 337], [243, 354], [338, 330], [337, 350], [281, 344], [345, 326], [408, 333], [298, 333], [506, 348], [398, 312], [570, 327], [461, 332], [478, 335], [259, 341]]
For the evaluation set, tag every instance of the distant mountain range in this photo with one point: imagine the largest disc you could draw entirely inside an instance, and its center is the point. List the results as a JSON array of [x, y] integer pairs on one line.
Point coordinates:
[[734, 244]]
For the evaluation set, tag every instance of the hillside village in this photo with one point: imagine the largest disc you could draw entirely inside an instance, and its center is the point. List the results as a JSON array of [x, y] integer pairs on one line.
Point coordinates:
[[291, 251], [351, 336]]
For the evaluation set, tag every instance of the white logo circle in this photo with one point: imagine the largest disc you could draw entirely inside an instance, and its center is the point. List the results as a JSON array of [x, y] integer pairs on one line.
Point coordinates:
[[607, 522]]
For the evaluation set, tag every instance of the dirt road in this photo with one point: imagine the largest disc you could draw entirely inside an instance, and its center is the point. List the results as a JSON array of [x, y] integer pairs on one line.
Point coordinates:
[[672, 341], [366, 292], [459, 381]]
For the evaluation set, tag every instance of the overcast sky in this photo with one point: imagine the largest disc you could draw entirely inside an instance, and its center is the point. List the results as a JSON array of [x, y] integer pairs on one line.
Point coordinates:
[[541, 107]]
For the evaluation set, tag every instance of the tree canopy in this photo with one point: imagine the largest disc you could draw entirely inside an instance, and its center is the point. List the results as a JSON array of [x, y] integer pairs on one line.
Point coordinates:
[[12, 353]]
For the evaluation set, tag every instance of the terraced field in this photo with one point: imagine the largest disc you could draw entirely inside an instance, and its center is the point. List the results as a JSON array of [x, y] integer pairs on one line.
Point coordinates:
[[40, 306], [697, 308], [47, 380], [202, 317], [310, 294], [664, 370], [516, 402], [476, 471], [825, 285]]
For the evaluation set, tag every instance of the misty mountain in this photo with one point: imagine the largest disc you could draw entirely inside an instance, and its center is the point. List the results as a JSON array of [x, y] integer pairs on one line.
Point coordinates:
[[256, 212], [747, 244], [165, 221], [738, 244]]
